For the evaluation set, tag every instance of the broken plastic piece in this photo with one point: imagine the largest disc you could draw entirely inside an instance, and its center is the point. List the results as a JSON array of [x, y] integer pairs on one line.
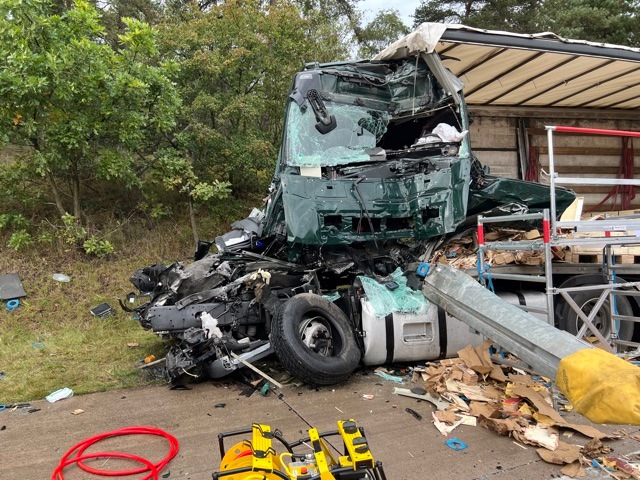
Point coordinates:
[[102, 310], [422, 270], [455, 444], [59, 395], [13, 304], [414, 413], [391, 378], [61, 277]]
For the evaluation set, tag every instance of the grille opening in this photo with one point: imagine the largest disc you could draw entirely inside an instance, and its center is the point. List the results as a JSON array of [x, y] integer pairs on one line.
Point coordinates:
[[333, 221], [404, 223], [362, 225]]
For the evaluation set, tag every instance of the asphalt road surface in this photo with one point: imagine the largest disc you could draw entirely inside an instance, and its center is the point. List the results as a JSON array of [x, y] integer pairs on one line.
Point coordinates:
[[31, 444]]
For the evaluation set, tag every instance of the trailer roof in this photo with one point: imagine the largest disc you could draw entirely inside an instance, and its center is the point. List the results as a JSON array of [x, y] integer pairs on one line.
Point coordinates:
[[540, 70]]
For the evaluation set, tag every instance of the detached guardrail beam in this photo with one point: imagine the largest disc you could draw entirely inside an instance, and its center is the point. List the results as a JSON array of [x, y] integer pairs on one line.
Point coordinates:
[[534, 341]]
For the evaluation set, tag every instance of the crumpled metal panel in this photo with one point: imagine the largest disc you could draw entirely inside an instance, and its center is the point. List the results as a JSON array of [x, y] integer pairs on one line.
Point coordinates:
[[498, 191], [533, 340], [339, 211]]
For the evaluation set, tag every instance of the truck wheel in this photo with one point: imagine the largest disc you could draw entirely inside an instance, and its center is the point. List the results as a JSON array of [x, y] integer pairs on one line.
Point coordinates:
[[568, 319], [314, 340]]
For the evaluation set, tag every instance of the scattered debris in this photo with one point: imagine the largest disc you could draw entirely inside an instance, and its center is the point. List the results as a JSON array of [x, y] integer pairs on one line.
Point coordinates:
[[368, 396], [59, 395], [391, 378], [13, 304], [133, 344], [427, 397], [11, 287], [101, 311], [414, 413], [61, 277], [455, 444], [502, 398], [595, 448], [2, 375], [77, 411]]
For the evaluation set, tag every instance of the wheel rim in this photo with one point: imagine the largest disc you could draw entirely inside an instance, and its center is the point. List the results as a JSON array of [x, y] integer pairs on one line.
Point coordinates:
[[316, 334], [600, 320]]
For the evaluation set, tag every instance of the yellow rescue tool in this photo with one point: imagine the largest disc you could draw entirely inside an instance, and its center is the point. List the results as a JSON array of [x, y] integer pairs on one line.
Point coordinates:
[[257, 459]]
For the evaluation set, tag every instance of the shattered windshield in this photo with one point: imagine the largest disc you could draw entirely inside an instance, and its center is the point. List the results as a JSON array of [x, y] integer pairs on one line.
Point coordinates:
[[358, 129]]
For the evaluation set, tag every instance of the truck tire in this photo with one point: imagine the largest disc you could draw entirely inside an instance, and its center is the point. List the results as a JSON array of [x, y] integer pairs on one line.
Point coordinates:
[[314, 340], [568, 319]]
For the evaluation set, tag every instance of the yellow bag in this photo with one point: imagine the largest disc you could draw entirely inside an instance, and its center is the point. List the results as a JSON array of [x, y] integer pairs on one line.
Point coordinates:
[[602, 387]]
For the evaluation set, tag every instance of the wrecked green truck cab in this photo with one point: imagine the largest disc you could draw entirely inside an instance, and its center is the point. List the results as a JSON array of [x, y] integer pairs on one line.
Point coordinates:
[[375, 171], [359, 161]]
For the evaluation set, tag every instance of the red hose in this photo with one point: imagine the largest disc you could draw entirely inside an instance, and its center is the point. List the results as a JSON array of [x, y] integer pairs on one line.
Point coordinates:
[[76, 454]]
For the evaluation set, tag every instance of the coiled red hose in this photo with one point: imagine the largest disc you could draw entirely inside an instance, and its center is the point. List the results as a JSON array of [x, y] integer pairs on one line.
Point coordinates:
[[76, 455]]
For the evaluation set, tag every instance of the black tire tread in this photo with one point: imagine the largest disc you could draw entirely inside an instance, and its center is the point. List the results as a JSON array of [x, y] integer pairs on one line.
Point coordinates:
[[296, 358]]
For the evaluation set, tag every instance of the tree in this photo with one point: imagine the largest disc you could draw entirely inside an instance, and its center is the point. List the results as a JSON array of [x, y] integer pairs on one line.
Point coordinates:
[[236, 61], [611, 21], [87, 110], [384, 29], [446, 12]]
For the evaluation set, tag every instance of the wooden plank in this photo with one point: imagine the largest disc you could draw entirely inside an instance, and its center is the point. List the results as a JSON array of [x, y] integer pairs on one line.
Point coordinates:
[[594, 250], [573, 257]]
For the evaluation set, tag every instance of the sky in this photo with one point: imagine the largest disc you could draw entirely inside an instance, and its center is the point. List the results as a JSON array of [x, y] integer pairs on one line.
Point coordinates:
[[405, 7]]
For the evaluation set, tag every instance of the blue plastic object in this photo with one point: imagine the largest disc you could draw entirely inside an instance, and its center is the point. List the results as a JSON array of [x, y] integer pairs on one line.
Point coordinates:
[[422, 269], [13, 304], [456, 444]]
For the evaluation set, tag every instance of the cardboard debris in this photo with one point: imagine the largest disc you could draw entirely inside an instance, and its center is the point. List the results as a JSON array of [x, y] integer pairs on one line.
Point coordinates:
[[538, 435], [573, 470], [487, 410], [503, 399], [595, 448], [564, 453], [475, 361], [502, 426], [442, 427]]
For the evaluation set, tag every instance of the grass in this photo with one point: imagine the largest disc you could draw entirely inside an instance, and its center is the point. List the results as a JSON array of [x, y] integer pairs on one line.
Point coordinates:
[[52, 341]]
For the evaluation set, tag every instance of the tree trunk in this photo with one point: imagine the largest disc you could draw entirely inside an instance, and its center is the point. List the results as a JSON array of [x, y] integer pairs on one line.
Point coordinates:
[[56, 193], [192, 219], [75, 188]]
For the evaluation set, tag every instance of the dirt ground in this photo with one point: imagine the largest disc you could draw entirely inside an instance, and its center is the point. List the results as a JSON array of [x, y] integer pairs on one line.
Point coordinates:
[[410, 449]]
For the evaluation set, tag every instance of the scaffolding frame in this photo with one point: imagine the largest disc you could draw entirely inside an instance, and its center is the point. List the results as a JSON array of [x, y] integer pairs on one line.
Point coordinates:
[[551, 238]]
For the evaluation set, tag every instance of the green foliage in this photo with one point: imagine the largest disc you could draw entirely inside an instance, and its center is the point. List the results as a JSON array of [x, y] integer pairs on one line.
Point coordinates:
[[612, 21], [13, 221], [20, 240], [87, 109], [73, 233], [98, 248]]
